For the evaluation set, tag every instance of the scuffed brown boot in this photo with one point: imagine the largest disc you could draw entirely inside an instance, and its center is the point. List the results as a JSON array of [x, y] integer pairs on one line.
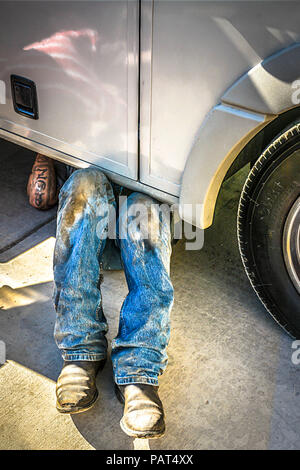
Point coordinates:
[[76, 386], [143, 412]]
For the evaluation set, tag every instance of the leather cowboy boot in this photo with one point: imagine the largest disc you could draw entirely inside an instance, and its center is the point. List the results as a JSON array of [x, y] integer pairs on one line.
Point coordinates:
[[143, 412], [76, 386]]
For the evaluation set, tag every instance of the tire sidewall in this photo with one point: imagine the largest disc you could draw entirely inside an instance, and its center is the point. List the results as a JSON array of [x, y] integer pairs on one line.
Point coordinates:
[[274, 187]]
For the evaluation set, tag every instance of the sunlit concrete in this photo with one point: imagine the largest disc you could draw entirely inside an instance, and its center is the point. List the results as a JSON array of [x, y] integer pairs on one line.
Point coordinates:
[[230, 383], [28, 419], [34, 266]]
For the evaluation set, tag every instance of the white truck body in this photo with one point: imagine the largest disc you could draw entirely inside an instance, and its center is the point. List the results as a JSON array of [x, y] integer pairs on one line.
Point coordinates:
[[162, 95]]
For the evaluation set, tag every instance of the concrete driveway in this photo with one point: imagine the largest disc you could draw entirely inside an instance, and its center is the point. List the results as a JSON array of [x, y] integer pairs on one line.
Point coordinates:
[[230, 383]]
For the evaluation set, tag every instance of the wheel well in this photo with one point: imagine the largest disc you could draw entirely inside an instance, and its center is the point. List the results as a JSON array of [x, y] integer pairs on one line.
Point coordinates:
[[255, 147]]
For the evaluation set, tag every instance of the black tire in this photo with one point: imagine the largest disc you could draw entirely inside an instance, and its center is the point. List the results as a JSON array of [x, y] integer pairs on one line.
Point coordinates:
[[270, 194]]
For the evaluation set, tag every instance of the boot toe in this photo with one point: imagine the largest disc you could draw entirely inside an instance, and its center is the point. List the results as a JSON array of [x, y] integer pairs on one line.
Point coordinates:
[[76, 388], [148, 424], [143, 413]]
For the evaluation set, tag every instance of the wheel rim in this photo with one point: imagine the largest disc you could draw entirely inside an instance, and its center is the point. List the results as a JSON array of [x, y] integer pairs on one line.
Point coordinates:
[[291, 244]]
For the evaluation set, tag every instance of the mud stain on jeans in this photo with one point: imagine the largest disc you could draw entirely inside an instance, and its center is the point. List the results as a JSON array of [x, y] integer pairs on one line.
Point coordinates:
[[85, 187], [75, 207]]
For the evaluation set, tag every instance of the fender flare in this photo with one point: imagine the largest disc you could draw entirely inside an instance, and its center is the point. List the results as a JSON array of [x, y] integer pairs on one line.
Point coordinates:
[[251, 103]]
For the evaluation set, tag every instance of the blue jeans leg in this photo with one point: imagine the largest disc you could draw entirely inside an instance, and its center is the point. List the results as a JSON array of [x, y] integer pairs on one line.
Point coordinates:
[[84, 204], [139, 350]]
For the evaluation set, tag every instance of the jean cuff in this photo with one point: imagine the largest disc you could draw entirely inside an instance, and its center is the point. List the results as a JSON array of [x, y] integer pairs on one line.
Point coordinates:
[[83, 357], [136, 380]]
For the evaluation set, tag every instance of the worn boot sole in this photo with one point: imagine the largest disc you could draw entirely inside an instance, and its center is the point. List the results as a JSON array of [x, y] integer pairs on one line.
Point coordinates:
[[138, 434], [77, 409]]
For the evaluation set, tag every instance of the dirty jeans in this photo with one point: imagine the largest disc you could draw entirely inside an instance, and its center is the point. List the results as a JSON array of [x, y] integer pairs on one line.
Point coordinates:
[[139, 350]]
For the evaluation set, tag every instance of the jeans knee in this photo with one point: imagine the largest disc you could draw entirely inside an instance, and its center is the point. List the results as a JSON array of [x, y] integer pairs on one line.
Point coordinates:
[[141, 198], [86, 183], [82, 196], [144, 218]]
